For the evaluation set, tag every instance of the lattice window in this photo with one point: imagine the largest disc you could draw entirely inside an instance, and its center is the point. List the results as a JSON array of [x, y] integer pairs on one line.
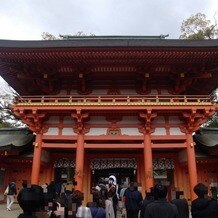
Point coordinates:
[[64, 162], [97, 164]]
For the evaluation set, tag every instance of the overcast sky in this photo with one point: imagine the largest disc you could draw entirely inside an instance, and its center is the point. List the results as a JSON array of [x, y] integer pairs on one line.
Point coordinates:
[[28, 19]]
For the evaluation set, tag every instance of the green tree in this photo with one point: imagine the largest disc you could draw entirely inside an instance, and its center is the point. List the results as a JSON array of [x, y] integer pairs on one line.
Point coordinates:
[[49, 36], [7, 97], [199, 27]]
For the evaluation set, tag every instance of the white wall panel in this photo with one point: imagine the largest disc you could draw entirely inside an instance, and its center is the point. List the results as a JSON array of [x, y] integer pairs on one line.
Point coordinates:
[[159, 131], [97, 131], [68, 131], [52, 131], [176, 131], [130, 131]]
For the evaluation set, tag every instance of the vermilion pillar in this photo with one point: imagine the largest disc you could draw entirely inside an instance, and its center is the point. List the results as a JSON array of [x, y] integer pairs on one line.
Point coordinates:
[[192, 169], [36, 159], [49, 173], [178, 175], [148, 163], [79, 162]]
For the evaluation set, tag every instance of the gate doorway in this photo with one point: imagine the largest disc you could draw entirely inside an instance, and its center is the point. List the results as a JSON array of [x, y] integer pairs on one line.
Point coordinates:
[[64, 174], [122, 175], [124, 169], [64, 170]]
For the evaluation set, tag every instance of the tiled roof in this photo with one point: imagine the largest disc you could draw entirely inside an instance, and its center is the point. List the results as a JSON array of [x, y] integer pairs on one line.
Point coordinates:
[[16, 137], [108, 41]]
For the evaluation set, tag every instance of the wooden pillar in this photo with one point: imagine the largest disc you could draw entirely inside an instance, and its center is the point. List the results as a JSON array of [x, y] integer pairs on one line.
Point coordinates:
[[79, 162], [49, 173], [192, 169], [178, 175], [148, 163], [36, 159]]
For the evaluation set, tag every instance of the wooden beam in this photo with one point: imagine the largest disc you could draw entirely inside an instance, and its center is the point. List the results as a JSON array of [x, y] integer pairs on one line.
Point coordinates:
[[168, 145], [114, 146], [58, 145]]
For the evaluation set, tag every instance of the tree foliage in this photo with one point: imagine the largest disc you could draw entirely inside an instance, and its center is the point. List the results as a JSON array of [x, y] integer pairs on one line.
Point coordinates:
[[7, 119], [49, 36], [199, 27], [213, 121]]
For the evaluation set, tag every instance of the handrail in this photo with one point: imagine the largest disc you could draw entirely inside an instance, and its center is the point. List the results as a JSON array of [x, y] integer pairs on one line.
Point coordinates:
[[115, 100]]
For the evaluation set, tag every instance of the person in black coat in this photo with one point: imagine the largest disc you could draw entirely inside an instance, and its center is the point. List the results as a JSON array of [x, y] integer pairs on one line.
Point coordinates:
[[149, 197], [182, 205], [132, 198], [161, 208], [203, 207], [31, 200]]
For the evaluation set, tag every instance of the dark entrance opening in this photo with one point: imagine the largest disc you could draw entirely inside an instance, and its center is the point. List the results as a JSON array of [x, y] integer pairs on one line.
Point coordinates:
[[64, 170], [63, 174]]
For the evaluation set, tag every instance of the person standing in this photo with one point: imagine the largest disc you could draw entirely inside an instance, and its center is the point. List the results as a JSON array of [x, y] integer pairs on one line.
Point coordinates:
[[181, 204], [98, 205], [10, 191], [122, 191], [203, 207], [78, 210], [161, 208], [112, 192], [132, 199], [149, 198], [108, 203]]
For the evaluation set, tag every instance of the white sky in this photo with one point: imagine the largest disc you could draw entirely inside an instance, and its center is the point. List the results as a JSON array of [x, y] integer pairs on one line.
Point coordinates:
[[28, 19]]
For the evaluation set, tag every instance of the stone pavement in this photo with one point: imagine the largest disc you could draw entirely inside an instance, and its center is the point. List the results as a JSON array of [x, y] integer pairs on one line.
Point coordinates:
[[10, 214], [16, 210]]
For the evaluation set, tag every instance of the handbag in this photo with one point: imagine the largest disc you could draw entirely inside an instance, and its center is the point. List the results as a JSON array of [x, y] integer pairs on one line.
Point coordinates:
[[6, 191]]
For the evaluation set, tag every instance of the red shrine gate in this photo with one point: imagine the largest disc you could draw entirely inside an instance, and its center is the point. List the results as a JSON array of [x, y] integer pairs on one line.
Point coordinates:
[[93, 100]]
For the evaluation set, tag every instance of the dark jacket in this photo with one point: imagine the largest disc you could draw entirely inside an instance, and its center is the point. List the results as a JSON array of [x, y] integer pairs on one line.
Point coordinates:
[[144, 204], [161, 209], [133, 199], [98, 212], [182, 206], [204, 208], [12, 190]]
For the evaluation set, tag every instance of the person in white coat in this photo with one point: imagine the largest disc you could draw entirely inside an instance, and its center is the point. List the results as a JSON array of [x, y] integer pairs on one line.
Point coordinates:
[[10, 192]]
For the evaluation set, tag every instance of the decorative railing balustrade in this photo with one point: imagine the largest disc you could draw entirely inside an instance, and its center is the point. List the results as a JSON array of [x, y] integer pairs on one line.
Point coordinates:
[[118, 100]]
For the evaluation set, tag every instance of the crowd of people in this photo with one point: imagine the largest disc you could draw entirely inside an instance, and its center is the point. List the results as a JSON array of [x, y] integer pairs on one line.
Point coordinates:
[[47, 201]]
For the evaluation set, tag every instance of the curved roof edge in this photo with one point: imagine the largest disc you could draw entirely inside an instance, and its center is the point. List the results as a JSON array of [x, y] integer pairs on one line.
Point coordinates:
[[207, 137], [16, 137]]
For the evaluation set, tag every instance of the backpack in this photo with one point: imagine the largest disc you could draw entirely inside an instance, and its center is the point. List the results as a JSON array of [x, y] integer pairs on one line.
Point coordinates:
[[12, 189]]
